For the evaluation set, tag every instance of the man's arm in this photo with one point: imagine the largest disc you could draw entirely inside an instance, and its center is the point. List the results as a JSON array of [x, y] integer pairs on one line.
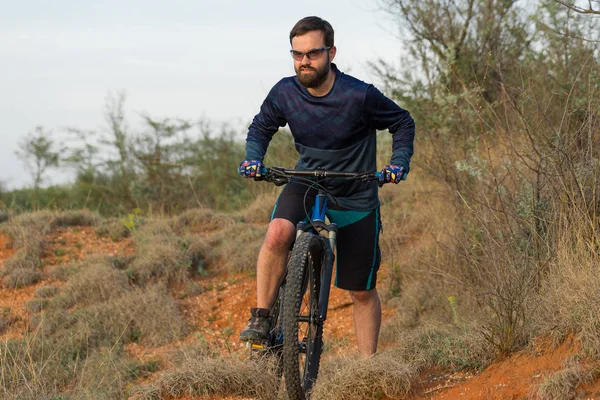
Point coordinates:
[[263, 127], [383, 113]]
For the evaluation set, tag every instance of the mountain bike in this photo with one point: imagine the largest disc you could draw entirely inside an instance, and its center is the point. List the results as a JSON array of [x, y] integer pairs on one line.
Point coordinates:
[[300, 310]]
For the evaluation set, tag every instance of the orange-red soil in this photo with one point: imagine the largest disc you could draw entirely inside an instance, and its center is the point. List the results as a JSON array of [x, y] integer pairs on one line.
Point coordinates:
[[221, 311]]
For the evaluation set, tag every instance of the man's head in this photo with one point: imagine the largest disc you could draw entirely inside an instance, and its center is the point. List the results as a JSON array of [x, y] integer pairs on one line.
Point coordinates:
[[313, 50]]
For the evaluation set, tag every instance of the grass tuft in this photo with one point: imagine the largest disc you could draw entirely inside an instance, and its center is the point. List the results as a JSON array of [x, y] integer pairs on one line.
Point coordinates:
[[95, 282], [77, 218], [113, 228], [345, 378], [45, 292], [218, 376], [563, 384], [21, 277], [201, 220]]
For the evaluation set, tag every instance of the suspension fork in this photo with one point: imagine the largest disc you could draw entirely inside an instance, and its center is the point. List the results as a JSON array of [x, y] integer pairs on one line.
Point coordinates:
[[318, 222]]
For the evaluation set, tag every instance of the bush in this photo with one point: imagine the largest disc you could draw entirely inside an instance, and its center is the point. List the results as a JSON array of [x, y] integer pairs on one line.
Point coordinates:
[[77, 218], [443, 346], [105, 374], [113, 229], [21, 277], [201, 220], [45, 292], [37, 305], [563, 384], [236, 248], [260, 210], [352, 378], [160, 260], [214, 377], [94, 283]]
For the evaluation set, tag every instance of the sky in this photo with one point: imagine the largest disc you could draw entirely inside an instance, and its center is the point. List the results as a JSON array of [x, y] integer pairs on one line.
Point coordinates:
[[191, 59]]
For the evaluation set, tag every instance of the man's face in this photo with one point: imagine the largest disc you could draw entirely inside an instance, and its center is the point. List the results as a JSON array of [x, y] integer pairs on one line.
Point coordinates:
[[311, 73]]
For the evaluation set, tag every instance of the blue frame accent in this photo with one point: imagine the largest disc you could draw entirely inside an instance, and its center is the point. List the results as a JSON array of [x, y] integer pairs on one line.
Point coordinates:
[[320, 208]]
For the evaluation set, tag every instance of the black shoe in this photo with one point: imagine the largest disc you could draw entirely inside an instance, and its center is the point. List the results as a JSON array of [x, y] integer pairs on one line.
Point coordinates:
[[258, 327]]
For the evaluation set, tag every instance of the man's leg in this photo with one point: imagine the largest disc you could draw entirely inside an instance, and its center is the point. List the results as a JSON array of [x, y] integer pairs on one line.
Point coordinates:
[[358, 260], [367, 320], [270, 271], [273, 255]]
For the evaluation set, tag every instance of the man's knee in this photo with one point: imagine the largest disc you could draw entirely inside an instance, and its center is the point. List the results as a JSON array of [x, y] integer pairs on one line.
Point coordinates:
[[363, 296], [280, 234]]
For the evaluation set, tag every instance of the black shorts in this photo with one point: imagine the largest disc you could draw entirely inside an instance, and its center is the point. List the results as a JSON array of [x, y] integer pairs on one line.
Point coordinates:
[[358, 254]]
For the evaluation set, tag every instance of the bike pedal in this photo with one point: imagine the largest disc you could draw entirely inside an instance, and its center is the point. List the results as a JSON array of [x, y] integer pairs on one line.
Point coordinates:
[[257, 346]]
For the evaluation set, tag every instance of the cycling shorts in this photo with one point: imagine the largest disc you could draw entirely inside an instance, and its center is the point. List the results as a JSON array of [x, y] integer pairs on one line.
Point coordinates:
[[358, 255]]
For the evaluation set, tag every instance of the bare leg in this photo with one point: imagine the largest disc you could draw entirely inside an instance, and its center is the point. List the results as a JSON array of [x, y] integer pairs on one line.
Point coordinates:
[[367, 320], [270, 268]]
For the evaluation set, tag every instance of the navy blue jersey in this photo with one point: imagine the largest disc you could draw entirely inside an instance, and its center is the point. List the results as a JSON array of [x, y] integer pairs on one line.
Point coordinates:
[[336, 131]]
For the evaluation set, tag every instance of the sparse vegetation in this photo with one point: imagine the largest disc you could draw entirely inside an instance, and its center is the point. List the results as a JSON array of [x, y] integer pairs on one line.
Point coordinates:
[[216, 376], [352, 378], [492, 241], [563, 384]]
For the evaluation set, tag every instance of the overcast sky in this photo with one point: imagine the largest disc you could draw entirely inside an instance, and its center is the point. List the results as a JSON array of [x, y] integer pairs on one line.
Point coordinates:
[[182, 58]]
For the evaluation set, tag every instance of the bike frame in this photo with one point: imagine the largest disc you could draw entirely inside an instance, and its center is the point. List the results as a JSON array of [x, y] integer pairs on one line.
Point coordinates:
[[317, 222]]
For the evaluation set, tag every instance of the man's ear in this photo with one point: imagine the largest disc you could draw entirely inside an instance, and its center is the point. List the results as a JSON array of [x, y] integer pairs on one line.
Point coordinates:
[[332, 52]]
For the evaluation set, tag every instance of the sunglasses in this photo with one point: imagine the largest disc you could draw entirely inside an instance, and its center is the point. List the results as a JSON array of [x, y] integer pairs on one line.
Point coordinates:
[[311, 54]]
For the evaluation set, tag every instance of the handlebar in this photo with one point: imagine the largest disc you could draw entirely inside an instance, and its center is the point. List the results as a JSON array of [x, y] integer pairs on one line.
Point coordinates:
[[281, 176]]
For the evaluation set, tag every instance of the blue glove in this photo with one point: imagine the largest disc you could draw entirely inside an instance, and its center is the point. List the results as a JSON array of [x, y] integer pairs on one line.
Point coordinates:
[[251, 169], [392, 173]]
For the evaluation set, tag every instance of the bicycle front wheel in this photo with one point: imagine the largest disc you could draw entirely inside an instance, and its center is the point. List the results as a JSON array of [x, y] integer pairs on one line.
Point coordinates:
[[302, 329]]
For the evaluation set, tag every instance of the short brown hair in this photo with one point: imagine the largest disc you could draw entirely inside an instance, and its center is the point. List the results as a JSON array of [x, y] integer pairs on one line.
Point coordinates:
[[308, 24]]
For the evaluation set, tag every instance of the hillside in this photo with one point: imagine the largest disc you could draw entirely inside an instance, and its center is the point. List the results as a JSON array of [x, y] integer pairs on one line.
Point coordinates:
[[213, 307]]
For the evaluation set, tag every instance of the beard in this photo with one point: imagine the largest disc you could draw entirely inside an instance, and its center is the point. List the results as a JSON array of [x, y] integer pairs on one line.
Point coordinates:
[[313, 79]]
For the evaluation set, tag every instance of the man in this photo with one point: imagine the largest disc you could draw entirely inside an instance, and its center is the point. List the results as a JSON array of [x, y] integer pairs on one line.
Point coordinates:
[[333, 118]]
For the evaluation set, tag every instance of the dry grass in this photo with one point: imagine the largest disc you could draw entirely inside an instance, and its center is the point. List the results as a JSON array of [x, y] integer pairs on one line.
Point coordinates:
[[95, 282], [259, 211], [570, 291], [21, 277], [359, 379], [199, 253], [201, 220], [77, 218], [563, 384], [28, 232], [113, 228], [37, 305], [45, 292], [160, 255], [235, 249], [446, 346], [219, 376]]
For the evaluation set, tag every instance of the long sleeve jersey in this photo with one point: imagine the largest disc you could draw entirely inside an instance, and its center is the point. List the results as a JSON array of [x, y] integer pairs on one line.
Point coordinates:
[[336, 132]]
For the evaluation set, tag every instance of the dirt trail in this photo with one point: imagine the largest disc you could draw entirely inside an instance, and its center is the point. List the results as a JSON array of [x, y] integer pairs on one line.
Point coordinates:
[[220, 312]]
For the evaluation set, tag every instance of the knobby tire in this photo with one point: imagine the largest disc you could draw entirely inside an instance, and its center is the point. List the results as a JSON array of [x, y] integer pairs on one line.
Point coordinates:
[[302, 332]]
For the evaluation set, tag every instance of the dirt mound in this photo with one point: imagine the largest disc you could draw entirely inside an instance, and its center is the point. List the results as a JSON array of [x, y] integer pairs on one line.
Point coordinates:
[[220, 310]]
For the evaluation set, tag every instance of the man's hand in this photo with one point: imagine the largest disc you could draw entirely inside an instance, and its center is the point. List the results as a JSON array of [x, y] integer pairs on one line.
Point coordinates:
[[392, 173], [251, 169]]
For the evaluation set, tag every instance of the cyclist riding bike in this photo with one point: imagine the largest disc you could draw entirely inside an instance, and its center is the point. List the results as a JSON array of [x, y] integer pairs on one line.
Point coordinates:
[[333, 118]]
